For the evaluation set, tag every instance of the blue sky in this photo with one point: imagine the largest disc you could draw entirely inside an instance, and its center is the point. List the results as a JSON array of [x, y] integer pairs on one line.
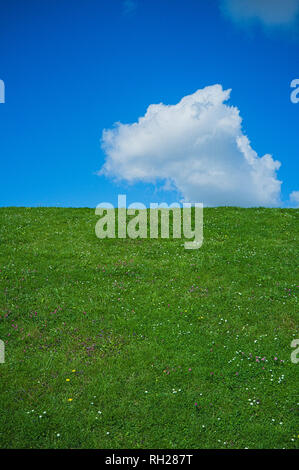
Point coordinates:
[[73, 68]]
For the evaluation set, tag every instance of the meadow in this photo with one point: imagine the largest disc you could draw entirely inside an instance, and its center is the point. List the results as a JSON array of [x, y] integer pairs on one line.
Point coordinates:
[[142, 344]]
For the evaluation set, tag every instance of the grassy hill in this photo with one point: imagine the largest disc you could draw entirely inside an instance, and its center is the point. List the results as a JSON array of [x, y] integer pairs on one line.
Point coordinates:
[[143, 344]]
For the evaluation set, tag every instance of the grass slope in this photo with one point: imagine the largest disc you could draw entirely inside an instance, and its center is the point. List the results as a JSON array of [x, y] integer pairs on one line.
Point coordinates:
[[110, 343]]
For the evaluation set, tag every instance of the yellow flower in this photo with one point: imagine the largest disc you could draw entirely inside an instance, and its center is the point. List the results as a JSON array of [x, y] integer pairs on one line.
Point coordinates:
[[67, 380], [70, 399], [74, 370]]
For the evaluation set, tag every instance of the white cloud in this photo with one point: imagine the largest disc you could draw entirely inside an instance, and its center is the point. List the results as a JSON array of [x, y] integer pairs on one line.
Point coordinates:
[[196, 145], [268, 12], [294, 198]]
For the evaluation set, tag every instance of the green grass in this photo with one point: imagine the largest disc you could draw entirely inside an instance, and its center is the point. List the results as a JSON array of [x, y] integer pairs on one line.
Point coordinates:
[[144, 329]]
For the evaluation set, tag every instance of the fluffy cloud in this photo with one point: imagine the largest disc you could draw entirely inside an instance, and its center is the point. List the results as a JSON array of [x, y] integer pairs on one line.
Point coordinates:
[[269, 12], [196, 146], [294, 198]]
